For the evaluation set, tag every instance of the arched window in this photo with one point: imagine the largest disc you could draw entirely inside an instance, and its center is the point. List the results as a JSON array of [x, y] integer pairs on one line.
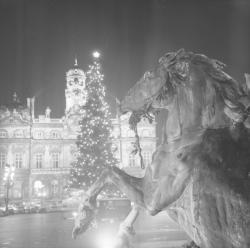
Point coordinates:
[[132, 160], [39, 135], [55, 156], [17, 190], [38, 185], [18, 134], [39, 189], [3, 133], [39, 160], [146, 157], [130, 133], [18, 160], [3, 159], [54, 134], [116, 132], [54, 188], [145, 133], [74, 156]]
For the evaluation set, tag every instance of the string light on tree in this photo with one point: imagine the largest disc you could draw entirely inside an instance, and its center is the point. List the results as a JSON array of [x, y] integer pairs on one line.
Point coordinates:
[[94, 140]]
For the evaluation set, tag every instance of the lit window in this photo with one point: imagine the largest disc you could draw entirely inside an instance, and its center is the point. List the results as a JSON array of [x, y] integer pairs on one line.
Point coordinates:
[[3, 158], [54, 187], [54, 135], [39, 135], [55, 159], [74, 156], [40, 190], [18, 160], [3, 134], [145, 133], [146, 158], [115, 132], [18, 134], [17, 190], [132, 161], [39, 160], [2, 192], [130, 133]]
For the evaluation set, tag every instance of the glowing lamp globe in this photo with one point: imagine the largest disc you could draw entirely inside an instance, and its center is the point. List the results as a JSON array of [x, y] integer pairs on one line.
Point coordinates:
[[96, 54]]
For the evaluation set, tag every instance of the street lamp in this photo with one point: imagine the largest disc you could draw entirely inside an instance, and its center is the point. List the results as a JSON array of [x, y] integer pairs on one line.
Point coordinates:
[[8, 179]]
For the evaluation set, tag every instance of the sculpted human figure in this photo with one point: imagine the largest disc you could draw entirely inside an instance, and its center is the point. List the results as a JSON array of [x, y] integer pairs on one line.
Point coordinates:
[[200, 173]]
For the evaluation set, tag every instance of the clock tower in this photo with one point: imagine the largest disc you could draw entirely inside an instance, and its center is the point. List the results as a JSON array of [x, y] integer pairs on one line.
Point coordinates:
[[75, 92]]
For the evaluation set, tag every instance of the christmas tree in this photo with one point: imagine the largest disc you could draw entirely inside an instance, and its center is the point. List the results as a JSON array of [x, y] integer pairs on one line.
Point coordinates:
[[94, 141]]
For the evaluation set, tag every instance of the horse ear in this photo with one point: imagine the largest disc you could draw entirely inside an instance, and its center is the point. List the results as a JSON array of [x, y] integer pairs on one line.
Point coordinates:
[[180, 51], [247, 77]]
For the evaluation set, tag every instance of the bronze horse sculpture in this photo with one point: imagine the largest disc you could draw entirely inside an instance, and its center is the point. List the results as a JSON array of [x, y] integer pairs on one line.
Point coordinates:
[[200, 173]]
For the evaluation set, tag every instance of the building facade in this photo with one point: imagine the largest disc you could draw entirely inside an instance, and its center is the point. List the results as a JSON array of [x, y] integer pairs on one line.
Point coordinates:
[[42, 148]]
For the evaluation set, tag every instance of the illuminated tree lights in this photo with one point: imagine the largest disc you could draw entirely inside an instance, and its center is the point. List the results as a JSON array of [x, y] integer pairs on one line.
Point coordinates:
[[94, 144]]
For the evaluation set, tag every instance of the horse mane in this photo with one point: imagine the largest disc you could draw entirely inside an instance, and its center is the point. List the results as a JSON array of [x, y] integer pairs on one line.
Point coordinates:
[[224, 157], [175, 66], [178, 64]]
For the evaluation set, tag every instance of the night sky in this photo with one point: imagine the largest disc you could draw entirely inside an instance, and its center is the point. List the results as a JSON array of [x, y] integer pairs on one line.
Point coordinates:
[[40, 38]]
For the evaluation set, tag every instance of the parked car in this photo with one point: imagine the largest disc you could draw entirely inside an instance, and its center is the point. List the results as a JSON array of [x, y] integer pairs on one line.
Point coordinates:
[[10, 209], [52, 207], [2, 213], [42, 210], [18, 208], [2, 208], [30, 208]]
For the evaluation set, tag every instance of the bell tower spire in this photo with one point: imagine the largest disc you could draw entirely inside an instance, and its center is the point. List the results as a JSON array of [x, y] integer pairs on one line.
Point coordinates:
[[76, 63], [75, 92]]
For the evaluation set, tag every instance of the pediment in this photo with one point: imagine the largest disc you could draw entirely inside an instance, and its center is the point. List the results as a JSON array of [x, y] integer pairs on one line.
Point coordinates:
[[13, 121]]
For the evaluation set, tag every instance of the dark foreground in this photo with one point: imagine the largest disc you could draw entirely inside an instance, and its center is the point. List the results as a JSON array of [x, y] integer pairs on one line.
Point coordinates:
[[53, 230]]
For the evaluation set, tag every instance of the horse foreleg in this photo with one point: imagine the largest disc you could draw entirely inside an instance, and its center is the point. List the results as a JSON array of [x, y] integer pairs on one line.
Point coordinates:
[[129, 185], [126, 230], [156, 164]]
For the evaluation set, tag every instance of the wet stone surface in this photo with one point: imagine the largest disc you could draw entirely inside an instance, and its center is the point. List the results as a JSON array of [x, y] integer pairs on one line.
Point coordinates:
[[53, 230]]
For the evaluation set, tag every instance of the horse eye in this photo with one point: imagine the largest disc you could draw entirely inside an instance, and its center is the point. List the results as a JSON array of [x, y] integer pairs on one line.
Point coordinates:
[[182, 68]]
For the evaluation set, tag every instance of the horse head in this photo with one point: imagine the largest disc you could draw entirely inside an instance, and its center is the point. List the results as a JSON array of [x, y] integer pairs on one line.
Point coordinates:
[[194, 89], [85, 216], [149, 89]]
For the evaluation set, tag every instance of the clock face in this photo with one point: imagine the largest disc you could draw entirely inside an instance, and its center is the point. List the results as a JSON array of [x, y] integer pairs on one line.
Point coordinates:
[[77, 92]]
